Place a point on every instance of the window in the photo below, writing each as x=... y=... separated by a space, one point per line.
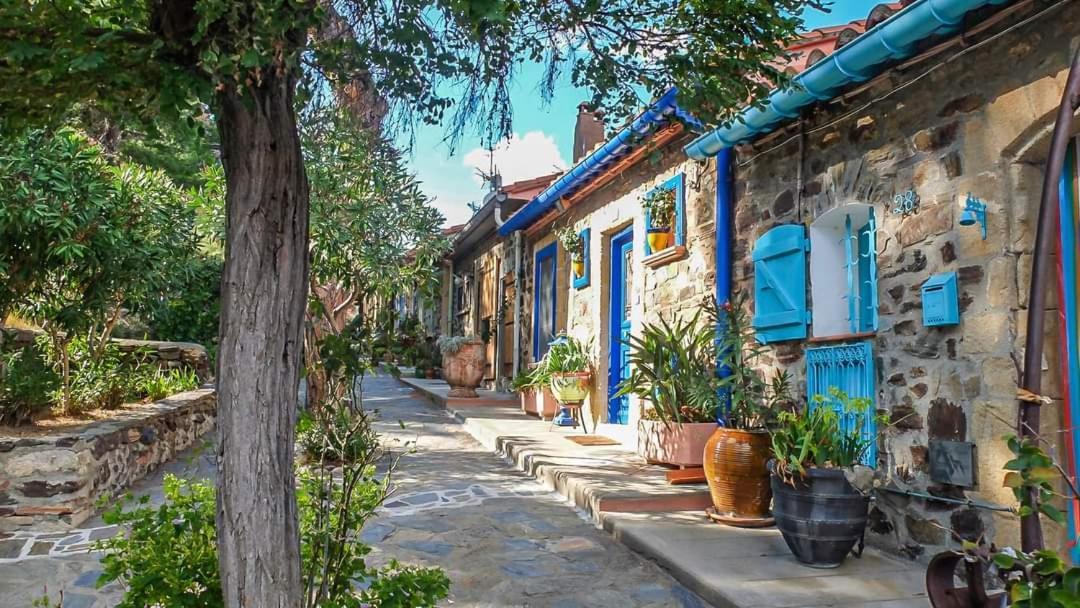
x=843 y=271
x=850 y=368
x=676 y=183
x=544 y=300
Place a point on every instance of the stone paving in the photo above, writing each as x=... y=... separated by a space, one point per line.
x=502 y=538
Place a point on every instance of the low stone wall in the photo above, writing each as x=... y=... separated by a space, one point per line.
x=53 y=482
x=169 y=355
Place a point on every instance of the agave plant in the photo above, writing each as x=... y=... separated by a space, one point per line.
x=673 y=370
x=749 y=401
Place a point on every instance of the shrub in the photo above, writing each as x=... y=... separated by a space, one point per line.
x=27 y=383
x=98 y=380
x=337 y=436
x=157 y=383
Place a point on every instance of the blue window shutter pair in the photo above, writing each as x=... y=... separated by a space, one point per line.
x=780 y=284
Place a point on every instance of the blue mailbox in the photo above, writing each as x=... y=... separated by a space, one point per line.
x=940 y=301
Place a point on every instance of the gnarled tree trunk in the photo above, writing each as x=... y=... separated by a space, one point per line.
x=263 y=295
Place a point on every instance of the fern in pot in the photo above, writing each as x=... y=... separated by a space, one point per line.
x=820 y=489
x=569 y=368
x=464 y=360
x=672 y=374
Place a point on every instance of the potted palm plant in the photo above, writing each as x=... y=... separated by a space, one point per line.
x=463 y=361
x=574 y=245
x=568 y=365
x=672 y=372
x=818 y=510
x=660 y=205
x=737 y=454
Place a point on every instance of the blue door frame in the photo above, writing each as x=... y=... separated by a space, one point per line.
x=622 y=252
x=540 y=342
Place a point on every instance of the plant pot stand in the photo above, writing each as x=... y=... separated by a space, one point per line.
x=569 y=415
x=739 y=522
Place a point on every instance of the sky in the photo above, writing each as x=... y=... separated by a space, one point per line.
x=542 y=134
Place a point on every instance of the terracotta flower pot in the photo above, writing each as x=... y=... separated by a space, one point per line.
x=539 y=403
x=659 y=239
x=675 y=444
x=464 y=369
x=570 y=387
x=736 y=467
x=528 y=401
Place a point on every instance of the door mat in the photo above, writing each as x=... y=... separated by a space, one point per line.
x=592 y=440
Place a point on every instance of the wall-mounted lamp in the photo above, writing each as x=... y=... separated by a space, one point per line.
x=974 y=211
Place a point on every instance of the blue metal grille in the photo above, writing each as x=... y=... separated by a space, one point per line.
x=850 y=368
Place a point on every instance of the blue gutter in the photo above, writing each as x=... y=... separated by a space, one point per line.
x=660 y=112
x=895 y=38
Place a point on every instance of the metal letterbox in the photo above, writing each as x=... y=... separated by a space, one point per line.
x=940 y=301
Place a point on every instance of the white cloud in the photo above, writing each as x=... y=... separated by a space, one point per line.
x=518 y=158
x=455 y=211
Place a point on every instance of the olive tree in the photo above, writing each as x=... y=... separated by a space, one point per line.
x=244 y=60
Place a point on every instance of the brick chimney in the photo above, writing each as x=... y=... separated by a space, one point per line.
x=588 y=132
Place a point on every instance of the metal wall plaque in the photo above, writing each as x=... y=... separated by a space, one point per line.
x=952 y=462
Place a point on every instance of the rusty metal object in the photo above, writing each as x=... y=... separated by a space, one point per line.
x=736 y=469
x=942 y=589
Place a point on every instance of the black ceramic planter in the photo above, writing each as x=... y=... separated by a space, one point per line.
x=821 y=517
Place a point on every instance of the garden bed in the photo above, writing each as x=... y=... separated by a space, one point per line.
x=52 y=475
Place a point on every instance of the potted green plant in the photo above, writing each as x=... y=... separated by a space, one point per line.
x=574 y=245
x=660 y=206
x=737 y=454
x=672 y=373
x=817 y=509
x=463 y=362
x=568 y=365
x=533 y=388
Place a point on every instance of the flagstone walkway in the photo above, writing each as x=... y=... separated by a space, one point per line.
x=502 y=538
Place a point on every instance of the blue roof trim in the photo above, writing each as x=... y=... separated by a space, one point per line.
x=659 y=113
x=861 y=59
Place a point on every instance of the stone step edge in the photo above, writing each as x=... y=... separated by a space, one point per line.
x=586 y=496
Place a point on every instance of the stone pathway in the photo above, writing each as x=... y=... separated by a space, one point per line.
x=501 y=537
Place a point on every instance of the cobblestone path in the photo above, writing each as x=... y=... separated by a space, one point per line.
x=502 y=538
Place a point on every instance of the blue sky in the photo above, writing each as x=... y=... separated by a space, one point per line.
x=543 y=134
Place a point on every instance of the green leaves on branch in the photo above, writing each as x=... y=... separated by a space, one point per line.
x=1033 y=477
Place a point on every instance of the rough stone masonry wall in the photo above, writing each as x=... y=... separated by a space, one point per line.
x=168 y=355
x=979 y=124
x=52 y=482
x=676 y=288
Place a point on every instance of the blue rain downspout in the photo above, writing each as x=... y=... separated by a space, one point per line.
x=893 y=39
x=724 y=204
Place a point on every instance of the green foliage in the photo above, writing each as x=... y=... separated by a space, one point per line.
x=673 y=370
x=98 y=379
x=156 y=383
x=814 y=438
x=336 y=435
x=567 y=355
x=660 y=205
x=189 y=308
x=571 y=241
x=1032 y=476
x=1041 y=579
x=27 y=383
x=748 y=400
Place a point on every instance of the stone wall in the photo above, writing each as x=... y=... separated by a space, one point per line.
x=168 y=355
x=52 y=482
x=673 y=288
x=979 y=124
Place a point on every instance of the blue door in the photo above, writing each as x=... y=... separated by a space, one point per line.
x=622 y=257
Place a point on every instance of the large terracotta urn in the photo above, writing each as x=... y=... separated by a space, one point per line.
x=463 y=370
x=736 y=467
x=673 y=444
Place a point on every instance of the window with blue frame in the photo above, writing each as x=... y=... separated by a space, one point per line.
x=676 y=183
x=849 y=368
x=544 y=294
x=843 y=271
x=581 y=280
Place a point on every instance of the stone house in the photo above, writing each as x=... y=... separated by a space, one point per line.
x=898 y=191
x=880 y=216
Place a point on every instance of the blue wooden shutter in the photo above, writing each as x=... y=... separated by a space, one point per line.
x=780 y=284
x=850 y=368
x=868 y=300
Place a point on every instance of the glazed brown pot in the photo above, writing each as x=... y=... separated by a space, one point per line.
x=736 y=467
x=464 y=369
x=675 y=444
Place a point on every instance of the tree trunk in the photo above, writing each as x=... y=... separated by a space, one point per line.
x=264 y=290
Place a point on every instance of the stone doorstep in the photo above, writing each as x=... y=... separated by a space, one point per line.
x=631 y=500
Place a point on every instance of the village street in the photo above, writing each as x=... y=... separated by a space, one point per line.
x=501 y=537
